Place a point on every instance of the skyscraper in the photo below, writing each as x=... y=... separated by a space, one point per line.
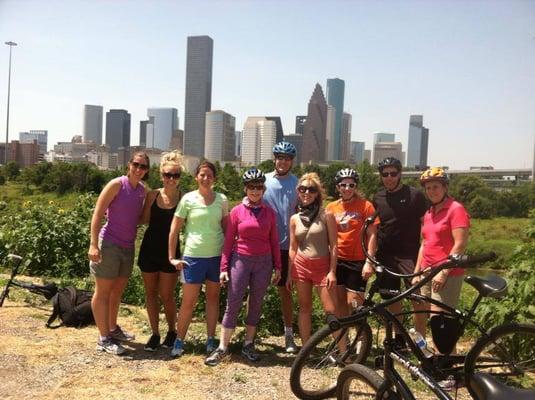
x=143 y=133
x=278 y=124
x=335 y=98
x=40 y=136
x=92 y=131
x=382 y=150
x=164 y=122
x=383 y=137
x=418 y=142
x=357 y=152
x=219 y=137
x=345 y=141
x=329 y=134
x=117 y=129
x=300 y=124
x=198 y=93
x=258 y=138
x=314 y=143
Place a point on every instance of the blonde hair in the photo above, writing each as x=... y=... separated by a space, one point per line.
x=315 y=179
x=173 y=158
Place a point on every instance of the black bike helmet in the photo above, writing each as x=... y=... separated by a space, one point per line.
x=389 y=162
x=284 y=148
x=253 y=175
x=346 y=173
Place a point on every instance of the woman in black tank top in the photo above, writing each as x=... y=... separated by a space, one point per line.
x=159 y=276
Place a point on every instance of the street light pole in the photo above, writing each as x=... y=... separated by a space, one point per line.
x=10 y=44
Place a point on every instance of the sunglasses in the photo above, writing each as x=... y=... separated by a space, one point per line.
x=170 y=175
x=305 y=189
x=393 y=174
x=255 y=187
x=347 y=185
x=283 y=158
x=143 y=167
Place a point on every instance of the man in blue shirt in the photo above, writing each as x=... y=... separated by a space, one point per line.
x=281 y=195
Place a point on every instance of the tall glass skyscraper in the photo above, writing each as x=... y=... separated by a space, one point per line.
x=198 y=93
x=335 y=98
x=418 y=142
x=163 y=121
x=92 y=131
x=314 y=136
x=117 y=129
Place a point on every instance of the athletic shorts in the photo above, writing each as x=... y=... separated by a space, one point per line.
x=313 y=270
x=395 y=264
x=115 y=261
x=155 y=266
x=349 y=275
x=284 y=270
x=450 y=292
x=200 y=269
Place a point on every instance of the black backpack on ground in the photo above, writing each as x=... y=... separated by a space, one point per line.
x=73 y=307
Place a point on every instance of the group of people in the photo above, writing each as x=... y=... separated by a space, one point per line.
x=279 y=233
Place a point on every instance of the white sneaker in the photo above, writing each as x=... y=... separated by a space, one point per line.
x=110 y=346
x=290 y=345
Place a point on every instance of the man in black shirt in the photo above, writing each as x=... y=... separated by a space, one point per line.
x=400 y=209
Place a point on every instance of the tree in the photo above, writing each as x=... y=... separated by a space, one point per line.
x=481 y=207
x=266 y=166
x=463 y=188
x=231 y=180
x=369 y=183
x=12 y=170
x=329 y=174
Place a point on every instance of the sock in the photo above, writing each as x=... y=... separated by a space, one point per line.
x=222 y=347
x=102 y=338
x=288 y=331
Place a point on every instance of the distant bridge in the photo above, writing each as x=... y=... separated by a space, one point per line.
x=516 y=173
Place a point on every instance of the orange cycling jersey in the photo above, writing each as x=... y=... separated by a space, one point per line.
x=350 y=216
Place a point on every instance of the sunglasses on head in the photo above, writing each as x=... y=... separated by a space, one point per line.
x=393 y=174
x=170 y=175
x=135 y=164
x=305 y=189
x=347 y=185
x=255 y=187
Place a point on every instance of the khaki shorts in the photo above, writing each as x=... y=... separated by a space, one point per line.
x=115 y=261
x=450 y=292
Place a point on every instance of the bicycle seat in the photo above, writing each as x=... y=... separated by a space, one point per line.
x=490 y=286
x=486 y=387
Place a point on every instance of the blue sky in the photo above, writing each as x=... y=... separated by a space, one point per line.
x=468 y=67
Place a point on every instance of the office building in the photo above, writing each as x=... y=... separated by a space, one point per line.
x=368 y=155
x=177 y=140
x=143 y=133
x=314 y=142
x=219 y=137
x=237 y=147
x=335 y=98
x=162 y=123
x=418 y=143
x=300 y=124
x=40 y=136
x=259 y=135
x=92 y=130
x=297 y=141
x=278 y=124
x=383 y=137
x=24 y=154
x=345 y=140
x=198 y=92
x=383 y=150
x=103 y=158
x=329 y=134
x=117 y=129
x=356 y=153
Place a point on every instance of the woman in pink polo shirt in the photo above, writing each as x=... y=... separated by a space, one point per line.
x=250 y=254
x=444 y=232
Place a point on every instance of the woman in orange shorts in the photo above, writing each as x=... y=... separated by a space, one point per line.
x=312 y=252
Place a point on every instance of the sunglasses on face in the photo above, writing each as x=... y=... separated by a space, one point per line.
x=393 y=174
x=170 y=175
x=305 y=189
x=347 y=185
x=143 y=167
x=283 y=158
x=255 y=187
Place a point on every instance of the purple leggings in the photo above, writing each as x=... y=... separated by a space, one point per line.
x=247 y=271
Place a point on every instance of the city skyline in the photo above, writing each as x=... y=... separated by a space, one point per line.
x=466 y=67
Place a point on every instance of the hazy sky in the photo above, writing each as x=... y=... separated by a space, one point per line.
x=467 y=66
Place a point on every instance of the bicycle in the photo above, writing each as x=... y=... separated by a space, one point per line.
x=488 y=369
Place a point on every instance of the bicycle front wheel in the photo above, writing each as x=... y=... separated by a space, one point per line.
x=357 y=381
x=316 y=367
x=507 y=353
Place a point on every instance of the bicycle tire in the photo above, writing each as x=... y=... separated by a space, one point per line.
x=3 y=296
x=368 y=383
x=316 y=367
x=507 y=353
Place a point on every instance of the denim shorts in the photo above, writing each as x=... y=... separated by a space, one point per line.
x=200 y=269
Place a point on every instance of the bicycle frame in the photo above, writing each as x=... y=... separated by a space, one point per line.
x=14 y=272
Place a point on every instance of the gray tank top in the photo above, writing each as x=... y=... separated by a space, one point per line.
x=313 y=242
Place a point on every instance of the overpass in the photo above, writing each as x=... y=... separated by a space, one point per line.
x=517 y=173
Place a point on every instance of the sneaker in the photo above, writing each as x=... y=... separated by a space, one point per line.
x=216 y=357
x=249 y=352
x=447 y=384
x=290 y=345
x=111 y=346
x=122 y=336
x=169 y=340
x=210 y=345
x=178 y=348
x=153 y=343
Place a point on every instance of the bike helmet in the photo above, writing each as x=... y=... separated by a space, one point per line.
x=346 y=173
x=434 y=174
x=389 y=162
x=285 y=148
x=253 y=175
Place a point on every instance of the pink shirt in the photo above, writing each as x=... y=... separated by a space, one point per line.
x=437 y=233
x=251 y=235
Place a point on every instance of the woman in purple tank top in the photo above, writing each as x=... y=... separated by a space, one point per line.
x=111 y=250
